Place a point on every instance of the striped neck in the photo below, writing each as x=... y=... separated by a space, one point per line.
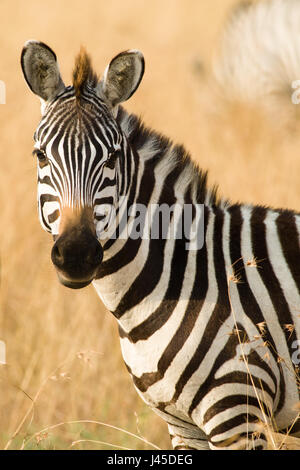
x=158 y=173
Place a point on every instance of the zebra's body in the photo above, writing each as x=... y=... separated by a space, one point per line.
x=196 y=302
x=208 y=335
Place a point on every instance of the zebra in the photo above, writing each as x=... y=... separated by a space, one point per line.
x=210 y=334
x=257 y=59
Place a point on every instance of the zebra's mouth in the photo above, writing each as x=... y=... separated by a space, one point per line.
x=74 y=284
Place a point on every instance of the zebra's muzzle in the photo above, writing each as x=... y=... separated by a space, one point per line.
x=72 y=284
x=76 y=255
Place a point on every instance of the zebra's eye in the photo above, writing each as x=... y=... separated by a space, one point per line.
x=41 y=155
x=112 y=158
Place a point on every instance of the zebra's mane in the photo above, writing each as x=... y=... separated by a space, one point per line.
x=83 y=73
x=148 y=142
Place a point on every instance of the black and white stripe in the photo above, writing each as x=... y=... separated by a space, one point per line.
x=67 y=181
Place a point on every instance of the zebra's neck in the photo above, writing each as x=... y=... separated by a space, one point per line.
x=161 y=173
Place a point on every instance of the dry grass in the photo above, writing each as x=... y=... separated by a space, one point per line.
x=266 y=424
x=62 y=347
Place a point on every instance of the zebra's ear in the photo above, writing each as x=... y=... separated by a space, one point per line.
x=122 y=77
x=40 y=69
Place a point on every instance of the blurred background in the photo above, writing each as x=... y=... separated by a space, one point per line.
x=63 y=362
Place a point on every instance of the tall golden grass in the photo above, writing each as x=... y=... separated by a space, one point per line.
x=64 y=373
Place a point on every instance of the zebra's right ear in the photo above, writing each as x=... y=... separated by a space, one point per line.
x=40 y=69
x=122 y=77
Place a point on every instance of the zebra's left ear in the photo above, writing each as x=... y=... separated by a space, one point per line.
x=122 y=77
x=41 y=71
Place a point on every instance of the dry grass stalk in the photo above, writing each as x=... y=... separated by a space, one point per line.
x=276 y=441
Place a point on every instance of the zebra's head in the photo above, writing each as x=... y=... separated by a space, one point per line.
x=79 y=148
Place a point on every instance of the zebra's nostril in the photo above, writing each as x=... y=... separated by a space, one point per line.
x=95 y=254
x=57 y=256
